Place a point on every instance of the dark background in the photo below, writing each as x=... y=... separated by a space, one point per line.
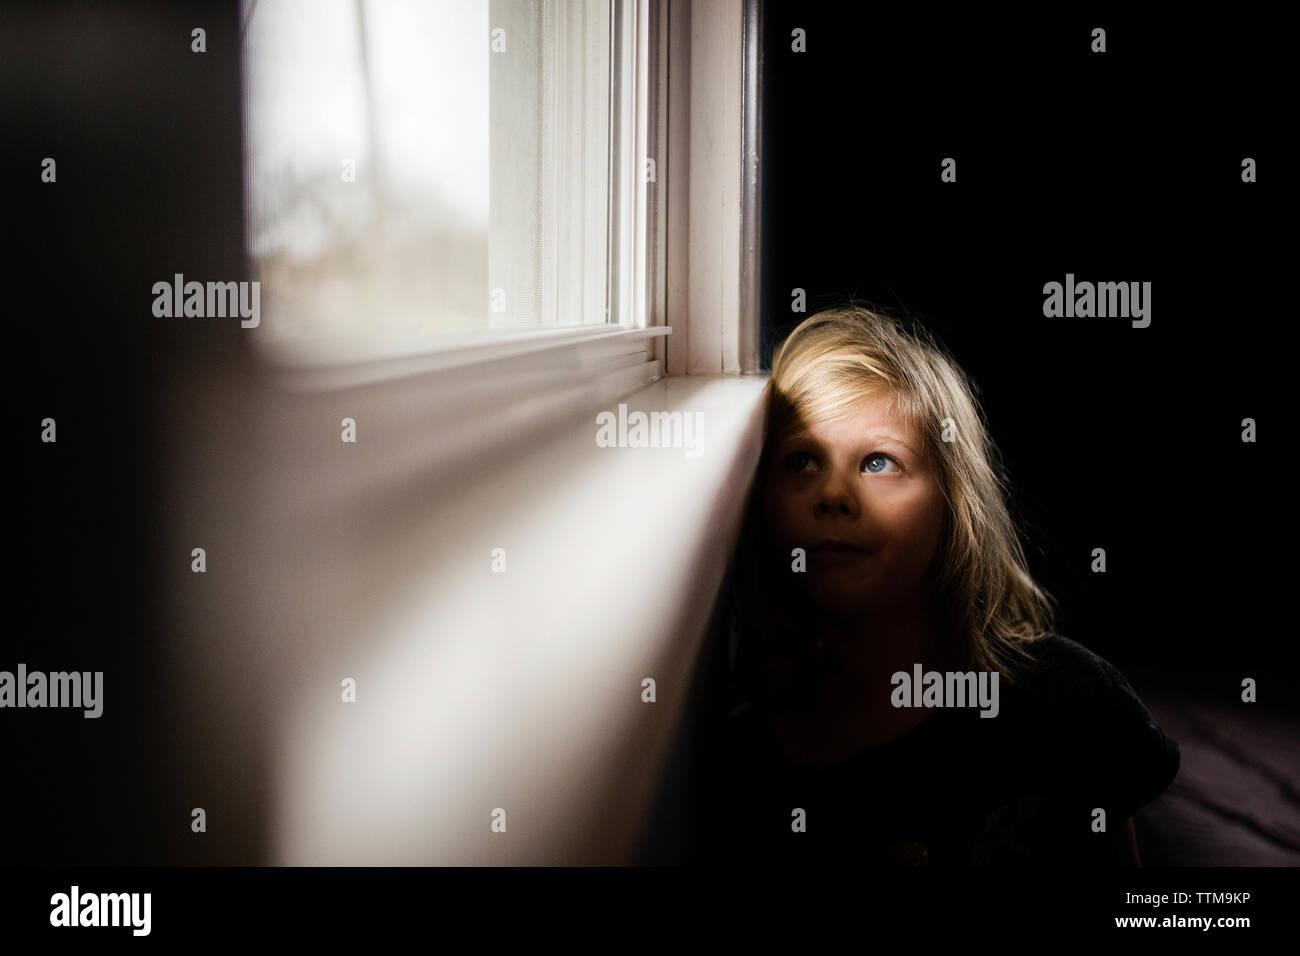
x=1119 y=166
x=1123 y=166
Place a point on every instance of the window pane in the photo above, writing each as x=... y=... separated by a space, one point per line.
x=425 y=168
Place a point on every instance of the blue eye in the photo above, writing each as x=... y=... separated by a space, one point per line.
x=871 y=461
x=798 y=461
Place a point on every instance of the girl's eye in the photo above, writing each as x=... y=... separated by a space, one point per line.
x=876 y=464
x=798 y=461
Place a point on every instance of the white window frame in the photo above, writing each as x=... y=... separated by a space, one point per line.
x=686 y=262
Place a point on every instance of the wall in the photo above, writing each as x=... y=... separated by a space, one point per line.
x=477 y=688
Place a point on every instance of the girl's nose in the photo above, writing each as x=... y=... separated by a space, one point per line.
x=835 y=496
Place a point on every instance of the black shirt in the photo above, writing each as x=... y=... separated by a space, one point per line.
x=957 y=789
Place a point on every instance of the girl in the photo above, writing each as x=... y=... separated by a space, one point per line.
x=878 y=578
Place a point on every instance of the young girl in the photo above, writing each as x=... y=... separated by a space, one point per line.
x=902 y=698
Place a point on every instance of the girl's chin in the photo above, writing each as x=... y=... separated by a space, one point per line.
x=841 y=602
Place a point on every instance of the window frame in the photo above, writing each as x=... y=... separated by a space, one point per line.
x=679 y=237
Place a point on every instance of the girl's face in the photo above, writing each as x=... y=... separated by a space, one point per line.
x=863 y=481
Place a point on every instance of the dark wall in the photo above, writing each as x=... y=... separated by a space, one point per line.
x=1122 y=166
x=146 y=137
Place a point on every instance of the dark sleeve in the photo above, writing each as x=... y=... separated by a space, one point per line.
x=1117 y=757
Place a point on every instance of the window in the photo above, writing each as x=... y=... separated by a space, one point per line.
x=428 y=174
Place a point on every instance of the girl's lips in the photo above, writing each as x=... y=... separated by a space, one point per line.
x=839 y=554
x=828 y=546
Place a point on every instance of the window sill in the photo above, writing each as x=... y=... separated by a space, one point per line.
x=583 y=345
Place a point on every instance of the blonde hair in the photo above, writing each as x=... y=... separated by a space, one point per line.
x=987 y=605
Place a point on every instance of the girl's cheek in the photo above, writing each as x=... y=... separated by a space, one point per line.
x=787 y=507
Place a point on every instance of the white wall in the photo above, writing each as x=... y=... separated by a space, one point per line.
x=475 y=690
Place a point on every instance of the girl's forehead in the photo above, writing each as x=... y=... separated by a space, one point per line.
x=875 y=415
